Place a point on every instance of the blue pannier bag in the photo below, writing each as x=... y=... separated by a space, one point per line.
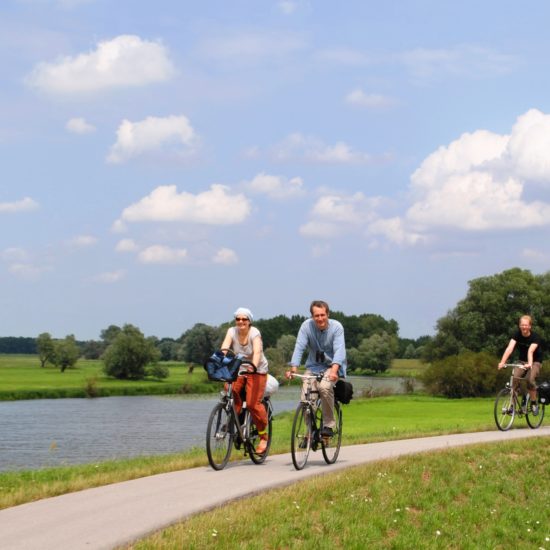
x=222 y=368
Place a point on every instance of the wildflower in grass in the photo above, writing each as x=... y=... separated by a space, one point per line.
x=214 y=532
x=438 y=532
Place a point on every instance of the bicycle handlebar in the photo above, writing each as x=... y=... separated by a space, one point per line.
x=317 y=377
x=514 y=365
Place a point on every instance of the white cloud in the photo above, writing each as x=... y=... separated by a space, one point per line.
x=14 y=254
x=126 y=245
x=394 y=230
x=225 y=256
x=161 y=254
x=81 y=241
x=333 y=215
x=79 y=125
x=478 y=183
x=359 y=98
x=23 y=205
x=276 y=187
x=529 y=146
x=213 y=207
x=110 y=277
x=311 y=149
x=124 y=61
x=173 y=133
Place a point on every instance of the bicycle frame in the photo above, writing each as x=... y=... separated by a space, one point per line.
x=307 y=424
x=225 y=430
x=508 y=404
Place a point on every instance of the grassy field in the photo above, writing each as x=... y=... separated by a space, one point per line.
x=22 y=378
x=489 y=501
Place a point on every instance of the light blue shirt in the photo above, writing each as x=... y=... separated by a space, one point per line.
x=330 y=341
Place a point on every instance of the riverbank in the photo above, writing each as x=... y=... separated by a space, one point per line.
x=365 y=421
x=23 y=378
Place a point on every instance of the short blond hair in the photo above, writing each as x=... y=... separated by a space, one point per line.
x=526 y=318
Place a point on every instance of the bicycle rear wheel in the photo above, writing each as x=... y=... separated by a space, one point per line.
x=505 y=409
x=300 y=442
x=534 y=420
x=254 y=437
x=331 y=445
x=219 y=437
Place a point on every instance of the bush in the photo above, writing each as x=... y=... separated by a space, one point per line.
x=467 y=374
x=158 y=371
x=129 y=354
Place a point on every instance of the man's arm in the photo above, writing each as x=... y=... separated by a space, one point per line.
x=507 y=352
x=301 y=345
x=339 y=351
x=530 y=353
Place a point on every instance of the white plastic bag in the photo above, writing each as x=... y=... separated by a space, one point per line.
x=271 y=386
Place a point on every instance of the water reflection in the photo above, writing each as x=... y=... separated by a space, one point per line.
x=53 y=432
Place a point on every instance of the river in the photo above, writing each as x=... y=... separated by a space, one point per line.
x=55 y=432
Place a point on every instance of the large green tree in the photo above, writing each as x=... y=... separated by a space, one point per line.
x=66 y=353
x=373 y=353
x=45 y=347
x=129 y=354
x=486 y=317
x=199 y=342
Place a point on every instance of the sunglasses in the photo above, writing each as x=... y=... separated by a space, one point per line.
x=241 y=319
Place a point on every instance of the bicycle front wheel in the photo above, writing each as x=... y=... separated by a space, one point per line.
x=254 y=437
x=219 y=437
x=535 y=420
x=505 y=409
x=300 y=443
x=331 y=445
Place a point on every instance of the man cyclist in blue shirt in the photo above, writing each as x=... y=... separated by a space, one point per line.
x=323 y=338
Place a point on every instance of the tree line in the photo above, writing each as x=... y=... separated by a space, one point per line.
x=372 y=342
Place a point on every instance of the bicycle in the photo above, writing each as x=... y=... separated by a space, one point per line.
x=508 y=404
x=227 y=429
x=307 y=426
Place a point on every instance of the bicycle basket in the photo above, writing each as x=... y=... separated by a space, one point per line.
x=222 y=368
x=544 y=393
x=343 y=391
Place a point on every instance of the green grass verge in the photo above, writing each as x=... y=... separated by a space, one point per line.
x=23 y=378
x=491 y=501
x=365 y=421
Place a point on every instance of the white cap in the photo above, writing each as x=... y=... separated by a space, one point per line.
x=245 y=312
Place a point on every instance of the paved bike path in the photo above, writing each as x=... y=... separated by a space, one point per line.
x=109 y=516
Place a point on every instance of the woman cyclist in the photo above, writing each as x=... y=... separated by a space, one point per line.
x=246 y=340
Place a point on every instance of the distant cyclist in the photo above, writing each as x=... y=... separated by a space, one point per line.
x=530 y=353
x=323 y=338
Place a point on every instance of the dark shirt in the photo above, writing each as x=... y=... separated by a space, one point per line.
x=523 y=343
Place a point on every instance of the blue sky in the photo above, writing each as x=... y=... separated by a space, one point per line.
x=166 y=162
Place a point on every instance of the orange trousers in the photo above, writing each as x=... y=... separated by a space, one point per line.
x=255 y=387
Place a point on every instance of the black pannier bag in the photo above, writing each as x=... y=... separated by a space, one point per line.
x=343 y=391
x=544 y=393
x=222 y=368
